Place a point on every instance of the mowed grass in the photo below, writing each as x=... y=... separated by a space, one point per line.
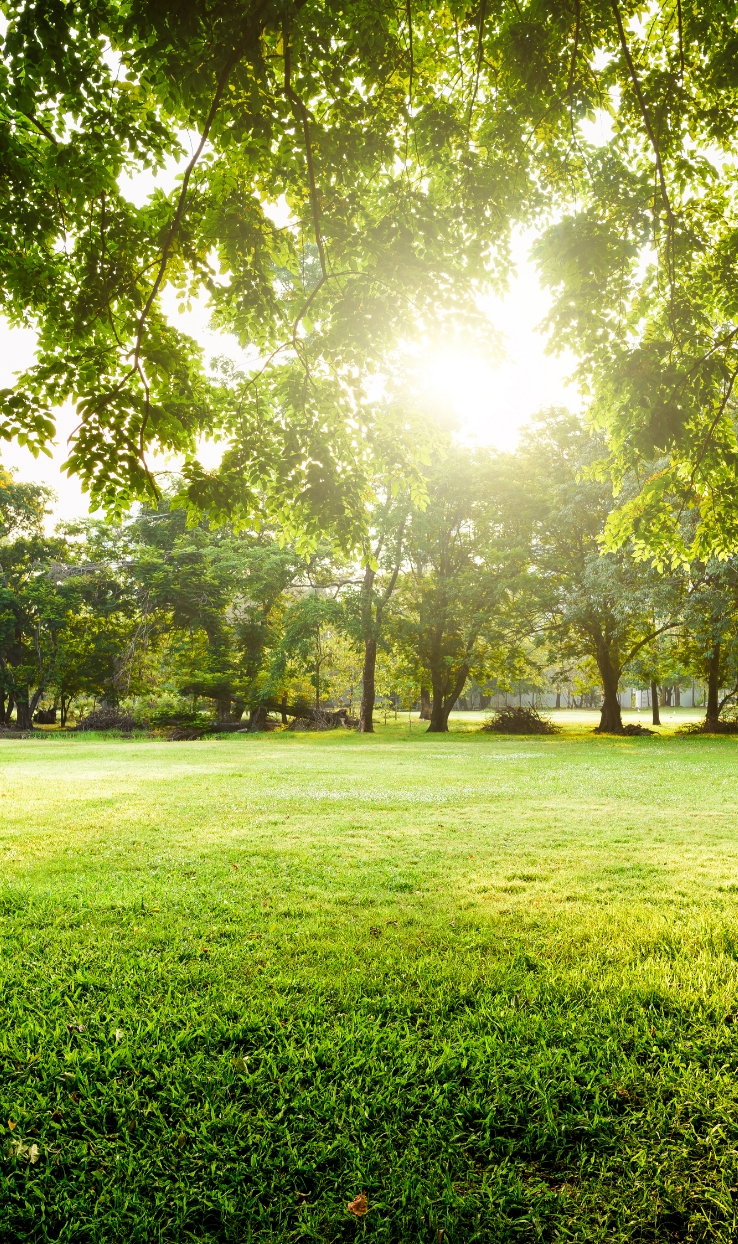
x=490 y=982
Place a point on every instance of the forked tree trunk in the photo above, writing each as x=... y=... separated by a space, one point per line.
x=425 y=704
x=713 y=686
x=237 y=710
x=442 y=704
x=655 y=719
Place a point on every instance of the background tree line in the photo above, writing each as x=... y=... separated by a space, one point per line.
x=492 y=574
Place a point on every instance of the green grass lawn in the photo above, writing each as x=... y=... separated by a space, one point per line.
x=491 y=982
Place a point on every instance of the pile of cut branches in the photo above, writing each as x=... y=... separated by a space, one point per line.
x=516 y=719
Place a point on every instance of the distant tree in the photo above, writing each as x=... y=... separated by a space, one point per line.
x=308 y=644
x=467 y=552
x=594 y=604
x=709 y=642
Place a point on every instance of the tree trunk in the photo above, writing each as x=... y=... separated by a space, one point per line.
x=283 y=710
x=558 y=699
x=442 y=704
x=223 y=708
x=9 y=709
x=677 y=697
x=713 y=686
x=366 y=712
x=439 y=715
x=611 y=721
x=237 y=710
x=655 y=719
x=425 y=704
x=257 y=718
x=23 y=711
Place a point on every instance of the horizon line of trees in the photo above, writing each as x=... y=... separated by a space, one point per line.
x=492 y=575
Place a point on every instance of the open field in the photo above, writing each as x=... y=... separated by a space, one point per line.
x=491 y=982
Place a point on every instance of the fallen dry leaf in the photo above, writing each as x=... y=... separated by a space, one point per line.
x=75 y=1027
x=441 y=1234
x=18 y=1149
x=375 y=932
x=235 y=866
x=118 y=1034
x=359 y=1205
x=240 y=1064
x=12 y=1124
x=75 y=1096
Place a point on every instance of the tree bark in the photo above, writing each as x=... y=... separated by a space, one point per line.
x=677 y=697
x=23 y=711
x=439 y=714
x=425 y=704
x=655 y=719
x=713 y=686
x=283 y=710
x=368 y=687
x=611 y=721
x=558 y=699
x=237 y=710
x=443 y=703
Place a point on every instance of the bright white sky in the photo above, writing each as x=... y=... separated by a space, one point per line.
x=492 y=403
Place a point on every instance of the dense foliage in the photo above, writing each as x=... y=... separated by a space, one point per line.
x=404 y=144
x=495 y=581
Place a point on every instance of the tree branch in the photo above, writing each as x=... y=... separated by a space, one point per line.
x=297 y=103
x=669 y=626
x=573 y=65
x=480 y=49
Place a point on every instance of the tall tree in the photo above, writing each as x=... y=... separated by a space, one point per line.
x=466 y=551
x=709 y=641
x=596 y=604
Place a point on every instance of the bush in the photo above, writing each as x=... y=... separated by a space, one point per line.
x=181 y=716
x=514 y=719
x=107 y=719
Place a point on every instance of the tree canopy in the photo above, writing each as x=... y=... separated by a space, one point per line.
x=404 y=143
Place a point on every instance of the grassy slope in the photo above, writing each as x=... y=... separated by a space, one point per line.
x=489 y=981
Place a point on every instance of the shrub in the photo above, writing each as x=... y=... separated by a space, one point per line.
x=515 y=719
x=181 y=716
x=107 y=719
